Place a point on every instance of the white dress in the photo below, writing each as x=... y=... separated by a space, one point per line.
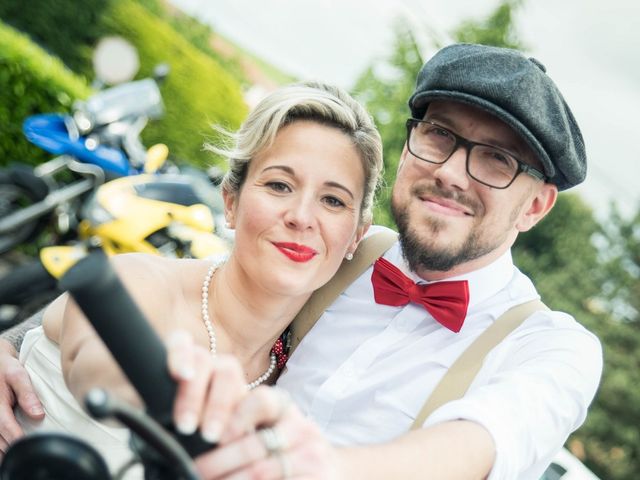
x=63 y=413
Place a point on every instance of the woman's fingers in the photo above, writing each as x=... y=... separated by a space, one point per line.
x=182 y=356
x=226 y=390
x=261 y=407
x=180 y=347
x=277 y=441
x=305 y=454
x=208 y=388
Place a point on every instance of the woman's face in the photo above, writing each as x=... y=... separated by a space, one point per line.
x=297 y=213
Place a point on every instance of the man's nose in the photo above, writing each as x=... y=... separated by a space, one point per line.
x=453 y=172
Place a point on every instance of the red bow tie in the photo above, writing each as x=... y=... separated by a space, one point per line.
x=446 y=301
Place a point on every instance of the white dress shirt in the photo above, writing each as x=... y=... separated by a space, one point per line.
x=364 y=370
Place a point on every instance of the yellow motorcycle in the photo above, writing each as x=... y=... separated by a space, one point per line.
x=169 y=214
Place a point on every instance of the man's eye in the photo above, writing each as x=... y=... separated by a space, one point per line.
x=436 y=131
x=334 y=201
x=278 y=187
x=500 y=157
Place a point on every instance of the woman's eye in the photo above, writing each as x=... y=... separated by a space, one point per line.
x=334 y=202
x=278 y=187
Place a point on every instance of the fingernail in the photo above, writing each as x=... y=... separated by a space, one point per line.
x=36 y=410
x=187 y=424
x=212 y=431
x=186 y=372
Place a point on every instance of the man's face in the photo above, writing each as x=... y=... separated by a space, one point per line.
x=448 y=222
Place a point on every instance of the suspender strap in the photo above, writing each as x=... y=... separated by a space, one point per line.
x=458 y=378
x=368 y=251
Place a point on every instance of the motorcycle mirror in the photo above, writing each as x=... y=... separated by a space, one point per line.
x=160 y=72
x=115 y=60
x=156 y=156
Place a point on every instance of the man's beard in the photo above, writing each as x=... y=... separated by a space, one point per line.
x=422 y=254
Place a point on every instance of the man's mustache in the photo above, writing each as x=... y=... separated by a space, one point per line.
x=458 y=197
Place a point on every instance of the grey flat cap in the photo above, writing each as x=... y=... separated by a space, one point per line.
x=515 y=89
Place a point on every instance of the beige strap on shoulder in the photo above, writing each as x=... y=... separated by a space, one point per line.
x=458 y=378
x=369 y=250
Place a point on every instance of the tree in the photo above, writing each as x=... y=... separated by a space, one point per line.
x=385 y=96
x=610 y=439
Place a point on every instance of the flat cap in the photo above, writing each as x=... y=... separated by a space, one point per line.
x=515 y=89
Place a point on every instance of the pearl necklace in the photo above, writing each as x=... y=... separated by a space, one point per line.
x=212 y=333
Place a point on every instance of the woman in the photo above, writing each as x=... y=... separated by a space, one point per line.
x=298 y=193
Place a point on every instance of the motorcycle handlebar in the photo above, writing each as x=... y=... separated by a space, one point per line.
x=136 y=347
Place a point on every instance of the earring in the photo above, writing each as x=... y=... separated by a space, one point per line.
x=349 y=256
x=227 y=225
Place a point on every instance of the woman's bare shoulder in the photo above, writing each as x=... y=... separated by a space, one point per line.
x=165 y=288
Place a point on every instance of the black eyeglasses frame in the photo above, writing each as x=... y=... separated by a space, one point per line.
x=468 y=146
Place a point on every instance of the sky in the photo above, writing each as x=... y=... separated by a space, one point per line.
x=591 y=49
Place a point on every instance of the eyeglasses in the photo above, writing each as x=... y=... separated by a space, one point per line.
x=489 y=165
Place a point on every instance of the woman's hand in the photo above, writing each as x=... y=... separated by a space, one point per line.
x=209 y=389
x=260 y=433
x=269 y=438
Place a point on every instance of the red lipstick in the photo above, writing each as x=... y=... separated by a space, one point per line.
x=297 y=253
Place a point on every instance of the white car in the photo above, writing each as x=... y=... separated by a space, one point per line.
x=567 y=467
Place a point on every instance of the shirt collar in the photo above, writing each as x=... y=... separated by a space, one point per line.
x=483 y=283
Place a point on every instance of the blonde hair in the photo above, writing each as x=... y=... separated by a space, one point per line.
x=315 y=101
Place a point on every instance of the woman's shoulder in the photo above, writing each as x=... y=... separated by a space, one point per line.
x=159 y=276
x=142 y=264
x=166 y=289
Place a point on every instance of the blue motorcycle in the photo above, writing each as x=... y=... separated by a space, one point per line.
x=98 y=142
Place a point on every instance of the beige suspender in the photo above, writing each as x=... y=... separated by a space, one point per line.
x=367 y=252
x=458 y=378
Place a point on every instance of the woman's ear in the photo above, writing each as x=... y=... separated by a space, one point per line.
x=359 y=235
x=539 y=206
x=229 y=207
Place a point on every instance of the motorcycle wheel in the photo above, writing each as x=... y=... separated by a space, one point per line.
x=18 y=189
x=23 y=291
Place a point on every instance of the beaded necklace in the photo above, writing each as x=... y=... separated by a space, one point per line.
x=277 y=356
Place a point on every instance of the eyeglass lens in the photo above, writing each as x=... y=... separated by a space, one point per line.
x=490 y=165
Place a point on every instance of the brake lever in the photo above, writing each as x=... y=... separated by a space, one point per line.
x=165 y=453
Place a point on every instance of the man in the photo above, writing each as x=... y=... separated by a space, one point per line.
x=490 y=143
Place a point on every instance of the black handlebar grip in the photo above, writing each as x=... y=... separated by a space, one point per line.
x=96 y=288
x=99 y=293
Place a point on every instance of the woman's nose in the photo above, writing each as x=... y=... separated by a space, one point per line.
x=300 y=214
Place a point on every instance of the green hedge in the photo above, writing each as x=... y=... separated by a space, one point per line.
x=197 y=92
x=65 y=28
x=31 y=81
